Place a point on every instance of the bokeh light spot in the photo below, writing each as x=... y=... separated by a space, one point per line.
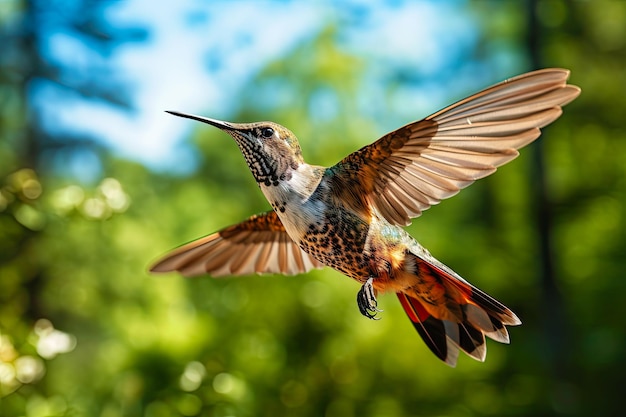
x=192 y=377
x=223 y=383
x=68 y=198
x=189 y=405
x=29 y=369
x=114 y=195
x=7 y=374
x=52 y=341
x=31 y=189
x=30 y=217
x=7 y=350
x=228 y=384
x=95 y=208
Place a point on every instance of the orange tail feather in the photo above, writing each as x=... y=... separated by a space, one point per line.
x=480 y=315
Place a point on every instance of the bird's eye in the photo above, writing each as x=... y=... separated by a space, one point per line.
x=267 y=132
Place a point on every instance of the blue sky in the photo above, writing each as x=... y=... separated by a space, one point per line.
x=171 y=69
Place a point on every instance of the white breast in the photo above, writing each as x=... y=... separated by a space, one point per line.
x=294 y=200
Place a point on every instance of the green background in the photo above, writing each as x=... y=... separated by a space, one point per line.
x=84 y=330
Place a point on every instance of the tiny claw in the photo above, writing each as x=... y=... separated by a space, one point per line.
x=366 y=300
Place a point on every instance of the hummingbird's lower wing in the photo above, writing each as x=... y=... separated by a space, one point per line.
x=259 y=244
x=412 y=168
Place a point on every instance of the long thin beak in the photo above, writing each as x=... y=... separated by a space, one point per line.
x=217 y=123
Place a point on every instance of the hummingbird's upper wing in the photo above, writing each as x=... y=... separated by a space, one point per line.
x=259 y=244
x=420 y=164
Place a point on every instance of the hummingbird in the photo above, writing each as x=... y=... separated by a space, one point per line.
x=350 y=216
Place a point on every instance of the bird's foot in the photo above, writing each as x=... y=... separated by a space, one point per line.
x=366 y=300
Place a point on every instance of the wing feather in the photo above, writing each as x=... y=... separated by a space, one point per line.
x=259 y=245
x=412 y=168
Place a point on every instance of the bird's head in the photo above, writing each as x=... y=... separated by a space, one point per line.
x=271 y=150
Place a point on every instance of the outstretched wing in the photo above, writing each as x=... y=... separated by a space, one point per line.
x=260 y=245
x=410 y=169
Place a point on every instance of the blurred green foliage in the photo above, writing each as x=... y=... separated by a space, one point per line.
x=84 y=330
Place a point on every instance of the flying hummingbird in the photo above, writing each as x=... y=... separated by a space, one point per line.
x=350 y=216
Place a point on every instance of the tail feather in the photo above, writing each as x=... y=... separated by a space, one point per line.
x=506 y=316
x=500 y=334
x=431 y=330
x=459 y=319
x=445 y=338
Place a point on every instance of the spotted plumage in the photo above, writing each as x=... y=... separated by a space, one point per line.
x=349 y=216
x=338 y=241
